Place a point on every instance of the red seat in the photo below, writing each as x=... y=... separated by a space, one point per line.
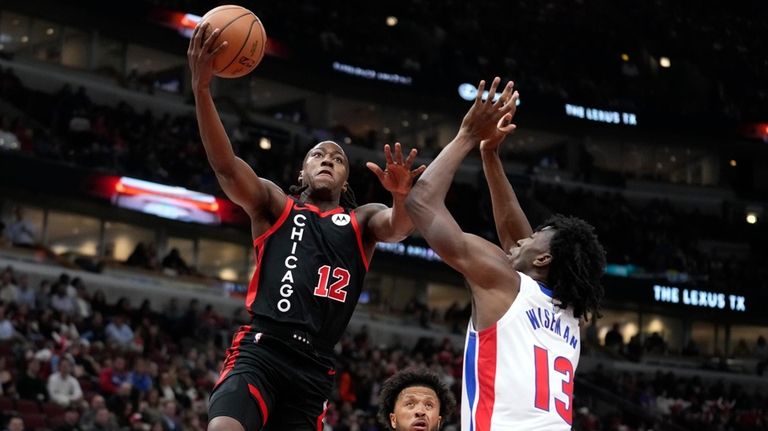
x=34 y=421
x=26 y=407
x=52 y=409
x=7 y=404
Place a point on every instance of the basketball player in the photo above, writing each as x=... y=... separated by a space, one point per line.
x=522 y=344
x=415 y=399
x=312 y=256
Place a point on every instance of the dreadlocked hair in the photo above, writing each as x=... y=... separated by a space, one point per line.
x=578 y=263
x=408 y=378
x=347 y=199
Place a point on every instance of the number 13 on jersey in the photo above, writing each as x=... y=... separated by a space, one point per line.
x=564 y=395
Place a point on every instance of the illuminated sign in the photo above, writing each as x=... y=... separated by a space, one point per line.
x=600 y=116
x=699 y=298
x=176 y=203
x=401 y=249
x=468 y=92
x=372 y=74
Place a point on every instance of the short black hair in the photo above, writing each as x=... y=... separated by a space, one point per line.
x=409 y=378
x=578 y=264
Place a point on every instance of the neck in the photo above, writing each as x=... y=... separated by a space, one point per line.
x=324 y=201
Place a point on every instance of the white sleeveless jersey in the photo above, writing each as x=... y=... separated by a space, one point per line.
x=518 y=373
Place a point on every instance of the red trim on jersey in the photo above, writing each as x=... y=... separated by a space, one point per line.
x=232 y=352
x=317 y=211
x=359 y=235
x=280 y=220
x=262 y=405
x=322 y=416
x=486 y=370
x=253 y=286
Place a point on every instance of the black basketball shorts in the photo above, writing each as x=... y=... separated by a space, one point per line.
x=273 y=386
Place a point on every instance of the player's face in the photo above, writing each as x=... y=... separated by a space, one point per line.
x=325 y=167
x=531 y=251
x=417 y=409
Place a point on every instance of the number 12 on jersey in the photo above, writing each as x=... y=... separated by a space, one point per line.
x=542 y=398
x=336 y=290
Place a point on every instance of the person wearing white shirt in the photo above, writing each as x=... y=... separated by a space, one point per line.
x=63 y=388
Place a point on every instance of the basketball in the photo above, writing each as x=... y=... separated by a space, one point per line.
x=246 y=39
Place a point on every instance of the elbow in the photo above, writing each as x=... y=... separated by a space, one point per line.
x=417 y=198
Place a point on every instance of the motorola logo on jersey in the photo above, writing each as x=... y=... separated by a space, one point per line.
x=291 y=261
x=340 y=219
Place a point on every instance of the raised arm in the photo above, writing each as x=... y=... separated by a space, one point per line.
x=261 y=199
x=474 y=257
x=385 y=224
x=511 y=222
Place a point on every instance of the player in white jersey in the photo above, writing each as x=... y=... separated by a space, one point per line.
x=522 y=345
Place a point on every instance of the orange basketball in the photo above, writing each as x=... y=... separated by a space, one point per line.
x=245 y=36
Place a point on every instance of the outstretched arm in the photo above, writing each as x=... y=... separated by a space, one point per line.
x=261 y=199
x=392 y=224
x=466 y=253
x=511 y=222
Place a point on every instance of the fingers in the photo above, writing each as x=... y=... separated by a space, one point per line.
x=511 y=103
x=388 y=154
x=480 y=91
x=505 y=95
x=219 y=48
x=492 y=90
x=418 y=171
x=504 y=125
x=207 y=45
x=373 y=167
x=398 y=153
x=411 y=158
x=201 y=30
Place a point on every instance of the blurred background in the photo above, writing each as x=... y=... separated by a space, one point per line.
x=124 y=265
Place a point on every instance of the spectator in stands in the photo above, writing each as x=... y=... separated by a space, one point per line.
x=655 y=344
x=761 y=354
x=30 y=386
x=15 y=423
x=26 y=295
x=61 y=301
x=94 y=330
x=7 y=383
x=170 y=419
x=63 y=387
x=143 y=256
x=174 y=263
x=113 y=377
x=414 y=399
x=7 y=331
x=21 y=232
x=9 y=292
x=140 y=378
x=614 y=341
x=103 y=421
x=119 y=333
x=71 y=420
x=42 y=295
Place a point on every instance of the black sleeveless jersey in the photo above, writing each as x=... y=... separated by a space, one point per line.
x=310 y=267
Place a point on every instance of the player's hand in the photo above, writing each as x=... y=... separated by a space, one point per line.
x=200 y=55
x=398 y=176
x=482 y=119
x=503 y=128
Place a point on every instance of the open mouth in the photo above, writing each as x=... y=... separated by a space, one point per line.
x=420 y=425
x=325 y=172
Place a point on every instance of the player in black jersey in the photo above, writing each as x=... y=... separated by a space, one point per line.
x=312 y=255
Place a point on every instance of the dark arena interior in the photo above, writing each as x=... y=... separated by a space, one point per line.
x=121 y=256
